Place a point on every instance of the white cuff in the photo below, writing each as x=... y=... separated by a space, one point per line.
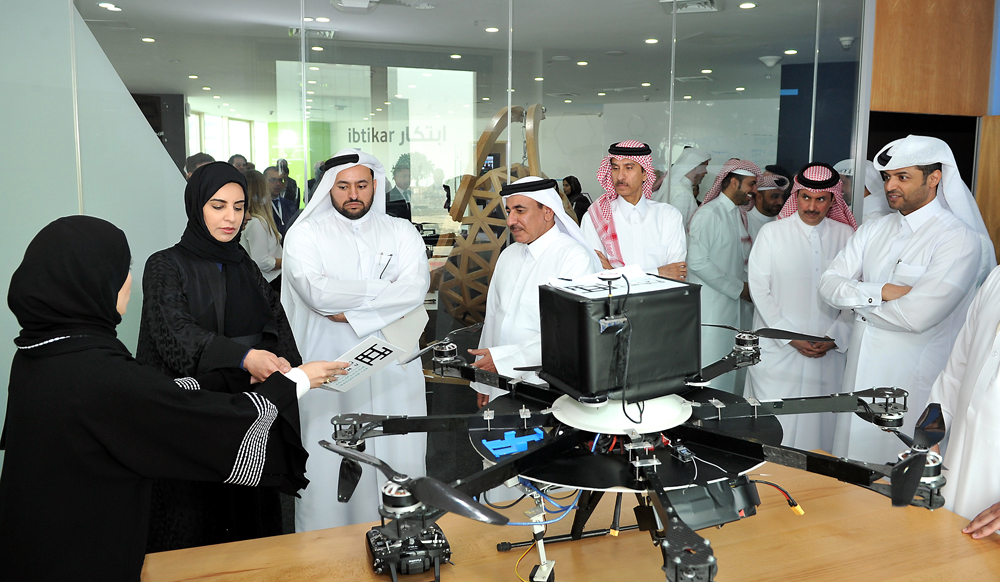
x=301 y=380
x=870 y=294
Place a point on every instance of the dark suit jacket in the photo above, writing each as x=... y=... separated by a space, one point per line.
x=288 y=210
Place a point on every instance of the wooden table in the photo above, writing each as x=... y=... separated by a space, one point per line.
x=847 y=533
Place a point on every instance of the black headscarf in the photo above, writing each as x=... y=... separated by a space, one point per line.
x=201 y=186
x=246 y=311
x=68 y=281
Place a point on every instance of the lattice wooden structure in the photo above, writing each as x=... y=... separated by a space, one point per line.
x=477 y=205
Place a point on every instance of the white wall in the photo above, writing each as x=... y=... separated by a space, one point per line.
x=127 y=176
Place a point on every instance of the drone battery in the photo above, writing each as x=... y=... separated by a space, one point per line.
x=654 y=328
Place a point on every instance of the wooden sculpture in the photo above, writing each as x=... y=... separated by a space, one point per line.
x=479 y=208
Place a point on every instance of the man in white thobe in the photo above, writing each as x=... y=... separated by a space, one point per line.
x=350 y=270
x=786 y=261
x=909 y=277
x=625 y=226
x=548 y=244
x=767 y=203
x=718 y=249
x=686 y=174
x=968 y=390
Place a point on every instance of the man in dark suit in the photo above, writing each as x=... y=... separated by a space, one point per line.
x=398 y=199
x=283 y=208
x=291 y=191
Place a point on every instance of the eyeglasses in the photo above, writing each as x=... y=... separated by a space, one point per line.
x=275 y=180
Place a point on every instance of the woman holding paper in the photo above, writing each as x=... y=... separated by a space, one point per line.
x=207 y=307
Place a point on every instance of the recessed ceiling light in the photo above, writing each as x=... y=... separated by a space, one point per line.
x=232 y=110
x=225 y=105
x=748 y=5
x=398 y=96
x=318 y=49
x=364 y=119
x=206 y=88
x=615 y=53
x=539 y=78
x=582 y=63
x=148 y=39
x=238 y=115
x=791 y=52
x=378 y=109
x=192 y=76
x=309 y=100
x=114 y=9
x=322 y=19
x=410 y=87
x=511 y=90
x=492 y=29
x=706 y=71
x=310 y=92
x=106 y=5
x=486 y=98
x=307 y=19
x=567 y=100
x=652 y=41
x=311 y=82
x=313 y=68
x=388 y=103
x=372 y=114
x=687 y=96
x=216 y=96
x=741 y=89
x=602 y=94
x=645 y=84
x=456 y=56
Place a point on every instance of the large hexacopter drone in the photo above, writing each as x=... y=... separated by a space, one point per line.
x=626 y=409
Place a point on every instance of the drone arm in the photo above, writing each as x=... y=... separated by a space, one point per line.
x=840 y=402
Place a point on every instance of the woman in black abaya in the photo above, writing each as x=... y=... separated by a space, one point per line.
x=206 y=307
x=88 y=428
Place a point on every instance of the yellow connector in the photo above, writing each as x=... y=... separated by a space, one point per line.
x=614 y=532
x=798 y=510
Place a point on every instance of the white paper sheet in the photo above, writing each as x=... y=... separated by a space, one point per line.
x=364 y=359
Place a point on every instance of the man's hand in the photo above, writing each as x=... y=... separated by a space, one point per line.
x=320 y=372
x=745 y=295
x=339 y=318
x=605 y=263
x=261 y=364
x=987 y=522
x=677 y=271
x=482 y=399
x=486 y=363
x=891 y=292
x=812 y=349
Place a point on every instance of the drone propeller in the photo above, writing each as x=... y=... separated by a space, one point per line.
x=350 y=475
x=906 y=474
x=444 y=340
x=426 y=490
x=770 y=333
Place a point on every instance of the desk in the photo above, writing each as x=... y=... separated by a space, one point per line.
x=847 y=533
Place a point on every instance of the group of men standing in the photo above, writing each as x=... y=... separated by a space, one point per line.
x=891 y=295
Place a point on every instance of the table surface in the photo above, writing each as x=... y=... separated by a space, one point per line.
x=847 y=533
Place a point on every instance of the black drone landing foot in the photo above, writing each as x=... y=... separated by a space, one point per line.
x=551 y=578
x=595 y=533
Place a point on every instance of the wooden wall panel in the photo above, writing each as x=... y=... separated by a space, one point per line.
x=988 y=180
x=932 y=56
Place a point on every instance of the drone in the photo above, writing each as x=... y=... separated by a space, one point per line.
x=605 y=423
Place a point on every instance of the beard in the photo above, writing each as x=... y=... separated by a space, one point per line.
x=353 y=214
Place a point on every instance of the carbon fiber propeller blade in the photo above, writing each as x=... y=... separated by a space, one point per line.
x=930 y=427
x=788 y=335
x=906 y=478
x=719 y=325
x=434 y=493
x=350 y=475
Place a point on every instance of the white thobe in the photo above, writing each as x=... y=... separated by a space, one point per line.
x=373 y=270
x=969 y=393
x=717 y=256
x=786 y=261
x=681 y=197
x=512 y=330
x=263 y=247
x=905 y=342
x=650 y=234
x=756 y=221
